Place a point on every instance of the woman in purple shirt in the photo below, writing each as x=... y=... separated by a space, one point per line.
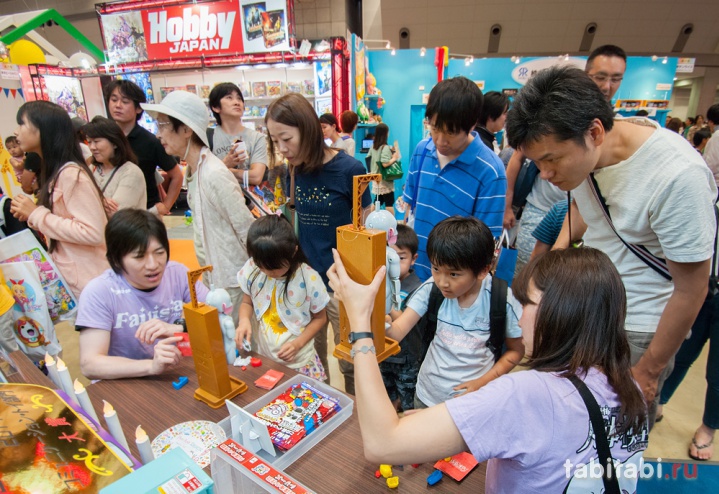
x=128 y=316
x=532 y=426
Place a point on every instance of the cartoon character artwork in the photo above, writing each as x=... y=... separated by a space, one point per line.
x=20 y=294
x=30 y=332
x=220 y=300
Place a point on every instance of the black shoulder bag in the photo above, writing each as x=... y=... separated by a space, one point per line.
x=611 y=484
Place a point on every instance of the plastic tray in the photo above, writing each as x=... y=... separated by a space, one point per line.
x=285 y=459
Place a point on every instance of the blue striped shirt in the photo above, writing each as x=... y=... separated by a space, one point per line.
x=548 y=229
x=474 y=184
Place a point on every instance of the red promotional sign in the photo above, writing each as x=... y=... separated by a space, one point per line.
x=192 y=30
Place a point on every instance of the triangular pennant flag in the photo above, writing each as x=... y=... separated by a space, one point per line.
x=13 y=91
x=7 y=91
x=19 y=91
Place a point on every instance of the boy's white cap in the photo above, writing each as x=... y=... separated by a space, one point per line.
x=186 y=107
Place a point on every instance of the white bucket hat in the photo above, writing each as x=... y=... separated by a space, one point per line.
x=186 y=107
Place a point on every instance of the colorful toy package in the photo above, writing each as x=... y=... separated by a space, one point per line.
x=296 y=413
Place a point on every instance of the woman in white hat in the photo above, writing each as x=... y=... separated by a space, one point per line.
x=220 y=217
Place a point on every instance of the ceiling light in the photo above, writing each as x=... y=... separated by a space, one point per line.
x=422 y=51
x=388 y=45
x=654 y=58
x=394 y=52
x=665 y=60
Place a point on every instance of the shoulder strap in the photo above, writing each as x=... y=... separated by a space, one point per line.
x=657 y=264
x=497 y=317
x=430 y=329
x=211 y=138
x=611 y=484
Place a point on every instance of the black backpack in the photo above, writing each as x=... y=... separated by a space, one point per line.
x=427 y=325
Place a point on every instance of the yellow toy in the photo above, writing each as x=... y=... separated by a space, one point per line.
x=208 y=351
x=386 y=471
x=363 y=252
x=393 y=482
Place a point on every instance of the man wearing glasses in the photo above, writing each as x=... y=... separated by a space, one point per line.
x=606 y=66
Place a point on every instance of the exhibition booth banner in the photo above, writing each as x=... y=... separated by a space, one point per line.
x=162 y=32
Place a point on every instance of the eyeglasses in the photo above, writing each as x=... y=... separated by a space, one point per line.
x=601 y=78
x=161 y=125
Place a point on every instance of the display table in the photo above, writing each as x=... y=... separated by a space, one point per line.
x=337 y=464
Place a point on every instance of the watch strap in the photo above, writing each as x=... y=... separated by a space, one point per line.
x=358 y=336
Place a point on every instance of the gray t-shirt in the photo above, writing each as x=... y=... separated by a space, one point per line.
x=255 y=141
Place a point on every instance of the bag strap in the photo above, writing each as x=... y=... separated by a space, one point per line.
x=114 y=170
x=435 y=302
x=291 y=201
x=658 y=264
x=611 y=484
x=497 y=317
x=211 y=138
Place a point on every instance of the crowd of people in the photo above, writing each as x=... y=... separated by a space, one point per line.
x=604 y=320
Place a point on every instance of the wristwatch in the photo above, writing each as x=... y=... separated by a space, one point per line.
x=181 y=322
x=358 y=336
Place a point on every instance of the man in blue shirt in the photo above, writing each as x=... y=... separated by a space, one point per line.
x=453 y=172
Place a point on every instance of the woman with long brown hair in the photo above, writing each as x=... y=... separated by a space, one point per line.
x=533 y=426
x=321 y=187
x=69 y=210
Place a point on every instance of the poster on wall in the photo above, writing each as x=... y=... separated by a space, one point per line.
x=124 y=37
x=359 y=58
x=323 y=78
x=265 y=26
x=323 y=105
x=11 y=99
x=525 y=71
x=66 y=92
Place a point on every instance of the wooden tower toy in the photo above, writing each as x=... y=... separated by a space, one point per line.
x=363 y=252
x=208 y=351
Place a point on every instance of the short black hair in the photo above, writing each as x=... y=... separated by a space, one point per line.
x=129 y=90
x=10 y=139
x=495 y=103
x=713 y=114
x=130 y=230
x=562 y=101
x=606 y=51
x=461 y=242
x=642 y=113
x=455 y=104
x=700 y=135
x=407 y=239
x=220 y=91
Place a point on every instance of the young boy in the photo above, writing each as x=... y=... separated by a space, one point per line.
x=399 y=372
x=458 y=360
x=17 y=157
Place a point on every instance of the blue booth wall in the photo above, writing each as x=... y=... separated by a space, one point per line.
x=399 y=78
x=640 y=79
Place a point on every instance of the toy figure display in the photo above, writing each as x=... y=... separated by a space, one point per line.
x=203 y=325
x=220 y=300
x=363 y=252
x=381 y=219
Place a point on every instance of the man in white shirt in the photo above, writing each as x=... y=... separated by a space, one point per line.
x=711 y=151
x=228 y=107
x=658 y=197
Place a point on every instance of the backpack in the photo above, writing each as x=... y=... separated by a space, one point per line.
x=427 y=325
x=525 y=182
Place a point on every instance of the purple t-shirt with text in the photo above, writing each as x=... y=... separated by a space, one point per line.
x=536 y=427
x=109 y=302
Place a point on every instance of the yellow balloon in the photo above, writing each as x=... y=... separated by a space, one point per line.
x=24 y=52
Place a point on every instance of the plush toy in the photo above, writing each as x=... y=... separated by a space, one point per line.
x=370 y=83
x=362 y=112
x=220 y=300
x=381 y=219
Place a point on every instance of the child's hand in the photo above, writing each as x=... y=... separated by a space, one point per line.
x=468 y=387
x=288 y=352
x=358 y=299
x=243 y=332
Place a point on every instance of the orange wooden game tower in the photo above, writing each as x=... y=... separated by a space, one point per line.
x=363 y=252
x=208 y=351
